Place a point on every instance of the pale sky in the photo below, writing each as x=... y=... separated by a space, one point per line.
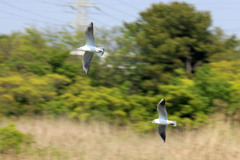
x=17 y=14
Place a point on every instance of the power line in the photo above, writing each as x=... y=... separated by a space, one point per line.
x=13 y=6
x=116 y=9
x=100 y=22
x=81 y=20
x=52 y=3
x=127 y=4
x=111 y=16
x=36 y=20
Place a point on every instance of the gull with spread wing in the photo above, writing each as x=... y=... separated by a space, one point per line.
x=163 y=121
x=89 y=48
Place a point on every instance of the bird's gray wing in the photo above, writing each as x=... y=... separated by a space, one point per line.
x=87 y=58
x=90 y=41
x=162 y=132
x=161 y=108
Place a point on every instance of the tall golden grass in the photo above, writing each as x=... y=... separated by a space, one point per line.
x=66 y=140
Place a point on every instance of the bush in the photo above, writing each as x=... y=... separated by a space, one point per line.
x=13 y=140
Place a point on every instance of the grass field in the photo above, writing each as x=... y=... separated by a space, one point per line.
x=67 y=140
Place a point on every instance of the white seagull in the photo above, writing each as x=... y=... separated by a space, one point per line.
x=89 y=48
x=163 y=121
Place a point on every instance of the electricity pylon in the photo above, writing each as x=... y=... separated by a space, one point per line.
x=81 y=8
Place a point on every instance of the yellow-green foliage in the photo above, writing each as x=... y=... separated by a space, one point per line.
x=230 y=71
x=13 y=140
x=27 y=92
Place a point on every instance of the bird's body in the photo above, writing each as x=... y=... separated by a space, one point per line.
x=163 y=121
x=89 y=48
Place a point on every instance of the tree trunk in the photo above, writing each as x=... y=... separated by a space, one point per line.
x=189 y=64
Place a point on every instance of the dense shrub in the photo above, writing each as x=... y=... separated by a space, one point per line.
x=13 y=140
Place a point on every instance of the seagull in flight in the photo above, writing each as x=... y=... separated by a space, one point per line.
x=89 y=48
x=163 y=121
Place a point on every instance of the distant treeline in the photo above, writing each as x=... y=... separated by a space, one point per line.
x=170 y=52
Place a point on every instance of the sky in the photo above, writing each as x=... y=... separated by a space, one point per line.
x=15 y=15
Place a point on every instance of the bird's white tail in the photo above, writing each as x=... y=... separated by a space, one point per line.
x=100 y=53
x=174 y=123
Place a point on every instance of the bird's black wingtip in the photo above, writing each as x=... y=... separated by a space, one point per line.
x=162 y=102
x=90 y=25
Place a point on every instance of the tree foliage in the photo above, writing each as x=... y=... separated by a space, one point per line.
x=12 y=139
x=169 y=52
x=175 y=36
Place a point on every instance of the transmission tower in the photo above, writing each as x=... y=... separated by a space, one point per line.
x=81 y=8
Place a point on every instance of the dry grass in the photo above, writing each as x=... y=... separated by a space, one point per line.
x=64 y=139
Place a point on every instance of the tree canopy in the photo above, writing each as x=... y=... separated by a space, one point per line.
x=173 y=37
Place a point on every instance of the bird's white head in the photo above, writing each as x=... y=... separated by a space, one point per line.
x=80 y=49
x=155 y=121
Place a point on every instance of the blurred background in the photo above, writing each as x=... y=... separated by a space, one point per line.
x=187 y=52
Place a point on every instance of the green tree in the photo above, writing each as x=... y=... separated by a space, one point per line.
x=173 y=34
x=171 y=37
